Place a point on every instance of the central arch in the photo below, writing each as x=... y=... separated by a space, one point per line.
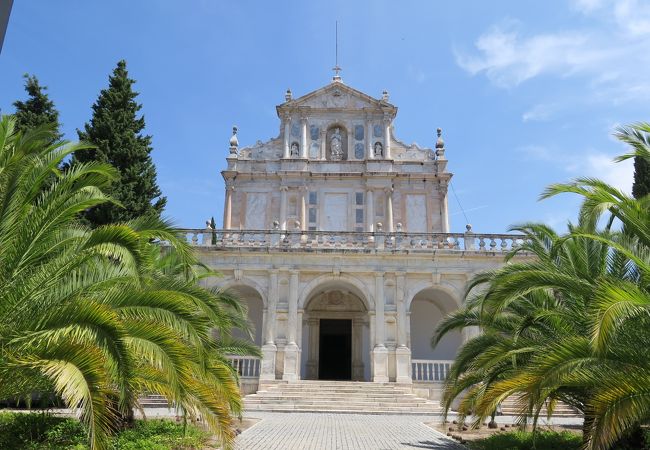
x=336 y=321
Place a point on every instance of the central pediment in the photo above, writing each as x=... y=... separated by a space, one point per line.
x=337 y=96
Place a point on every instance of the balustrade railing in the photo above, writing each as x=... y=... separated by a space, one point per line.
x=429 y=370
x=356 y=241
x=246 y=366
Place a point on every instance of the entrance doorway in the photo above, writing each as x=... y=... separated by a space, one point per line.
x=335 y=349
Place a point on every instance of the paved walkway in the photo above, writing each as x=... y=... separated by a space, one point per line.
x=308 y=431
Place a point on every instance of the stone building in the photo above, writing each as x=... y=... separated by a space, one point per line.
x=336 y=234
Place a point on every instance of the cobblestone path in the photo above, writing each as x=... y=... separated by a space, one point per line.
x=305 y=431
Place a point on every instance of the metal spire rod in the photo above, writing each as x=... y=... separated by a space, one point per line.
x=337 y=43
x=336 y=68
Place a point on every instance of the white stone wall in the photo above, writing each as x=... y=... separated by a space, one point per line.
x=438 y=282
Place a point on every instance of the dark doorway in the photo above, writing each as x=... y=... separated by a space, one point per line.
x=335 y=350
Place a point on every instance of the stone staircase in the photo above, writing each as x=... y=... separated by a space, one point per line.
x=509 y=407
x=153 y=401
x=339 y=397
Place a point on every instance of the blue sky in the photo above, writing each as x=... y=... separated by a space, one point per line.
x=527 y=93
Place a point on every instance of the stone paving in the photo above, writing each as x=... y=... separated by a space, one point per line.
x=316 y=431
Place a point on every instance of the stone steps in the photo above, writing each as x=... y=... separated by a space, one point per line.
x=153 y=401
x=339 y=397
x=509 y=407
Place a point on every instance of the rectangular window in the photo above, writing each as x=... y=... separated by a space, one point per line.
x=313 y=198
x=312 y=215
x=358 y=211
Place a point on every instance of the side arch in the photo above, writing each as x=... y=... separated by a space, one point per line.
x=254 y=297
x=232 y=283
x=448 y=288
x=428 y=305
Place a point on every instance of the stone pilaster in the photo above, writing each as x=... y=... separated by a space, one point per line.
x=291 y=350
x=380 y=352
x=287 y=137
x=269 y=349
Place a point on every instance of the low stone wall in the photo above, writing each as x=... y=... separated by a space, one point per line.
x=248 y=385
x=431 y=390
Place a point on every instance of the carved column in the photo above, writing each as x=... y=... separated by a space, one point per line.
x=357 y=349
x=402 y=352
x=314 y=337
x=287 y=136
x=389 y=210
x=370 y=154
x=227 y=212
x=370 y=211
x=303 y=137
x=380 y=352
x=291 y=360
x=387 y=154
x=269 y=348
x=303 y=208
x=283 y=207
x=323 y=144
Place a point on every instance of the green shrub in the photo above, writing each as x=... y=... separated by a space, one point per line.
x=522 y=440
x=160 y=434
x=46 y=432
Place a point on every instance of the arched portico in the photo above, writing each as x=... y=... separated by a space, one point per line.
x=335 y=332
x=426 y=309
x=255 y=311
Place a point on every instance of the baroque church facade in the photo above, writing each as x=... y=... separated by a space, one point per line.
x=336 y=235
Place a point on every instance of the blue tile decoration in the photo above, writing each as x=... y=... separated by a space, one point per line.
x=358 y=150
x=358 y=132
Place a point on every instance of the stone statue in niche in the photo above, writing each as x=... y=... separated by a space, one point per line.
x=336 y=146
x=295 y=150
x=379 y=150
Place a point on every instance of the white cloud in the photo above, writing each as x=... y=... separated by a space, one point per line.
x=539 y=113
x=612 y=52
x=416 y=74
x=508 y=59
x=633 y=16
x=587 y=6
x=594 y=164
x=600 y=165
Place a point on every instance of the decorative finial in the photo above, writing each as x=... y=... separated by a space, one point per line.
x=440 y=145
x=468 y=227
x=288 y=96
x=384 y=96
x=234 y=142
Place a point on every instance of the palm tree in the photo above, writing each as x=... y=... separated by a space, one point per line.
x=104 y=314
x=571 y=323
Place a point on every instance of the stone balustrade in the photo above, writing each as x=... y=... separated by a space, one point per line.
x=246 y=366
x=299 y=240
x=424 y=370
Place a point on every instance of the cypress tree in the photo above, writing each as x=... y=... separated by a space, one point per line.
x=37 y=110
x=641 y=186
x=116 y=130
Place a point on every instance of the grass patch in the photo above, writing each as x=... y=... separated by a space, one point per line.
x=46 y=432
x=522 y=440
